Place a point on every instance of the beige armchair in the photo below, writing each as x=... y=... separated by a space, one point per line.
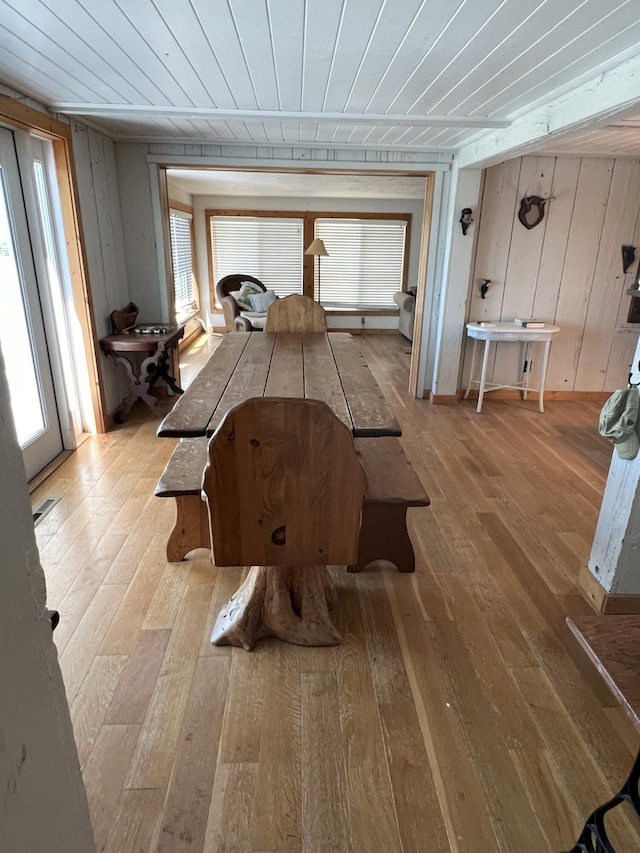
x=235 y=319
x=406 y=302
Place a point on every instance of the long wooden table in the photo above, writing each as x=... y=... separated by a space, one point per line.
x=318 y=366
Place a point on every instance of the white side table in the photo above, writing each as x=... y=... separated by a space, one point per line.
x=509 y=332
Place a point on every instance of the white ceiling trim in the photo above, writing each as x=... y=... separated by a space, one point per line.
x=254 y=158
x=594 y=103
x=106 y=110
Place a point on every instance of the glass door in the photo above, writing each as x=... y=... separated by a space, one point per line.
x=22 y=329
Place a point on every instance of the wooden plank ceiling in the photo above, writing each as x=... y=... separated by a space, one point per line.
x=416 y=75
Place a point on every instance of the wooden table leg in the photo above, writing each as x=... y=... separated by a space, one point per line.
x=290 y=603
x=138 y=387
x=483 y=374
x=543 y=374
x=152 y=368
x=472 y=369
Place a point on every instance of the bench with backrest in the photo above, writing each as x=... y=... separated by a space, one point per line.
x=296 y=313
x=284 y=490
x=393 y=488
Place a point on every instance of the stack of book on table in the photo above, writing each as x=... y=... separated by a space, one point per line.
x=529 y=323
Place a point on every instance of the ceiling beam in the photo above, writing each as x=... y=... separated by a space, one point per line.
x=148 y=111
x=590 y=106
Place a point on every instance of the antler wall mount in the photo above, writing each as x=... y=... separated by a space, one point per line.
x=531 y=211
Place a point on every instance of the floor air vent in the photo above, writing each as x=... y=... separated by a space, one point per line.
x=42 y=509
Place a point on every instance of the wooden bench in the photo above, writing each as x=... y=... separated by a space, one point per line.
x=182 y=480
x=393 y=487
x=612 y=643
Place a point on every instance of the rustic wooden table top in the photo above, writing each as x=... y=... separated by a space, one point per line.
x=145 y=338
x=319 y=366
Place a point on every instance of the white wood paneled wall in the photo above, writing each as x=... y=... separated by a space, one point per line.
x=567 y=270
x=100 y=210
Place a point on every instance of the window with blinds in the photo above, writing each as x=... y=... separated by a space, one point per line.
x=365 y=262
x=268 y=248
x=182 y=257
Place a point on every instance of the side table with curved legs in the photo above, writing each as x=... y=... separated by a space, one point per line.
x=158 y=342
x=508 y=332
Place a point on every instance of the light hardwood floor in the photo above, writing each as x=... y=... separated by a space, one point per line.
x=458 y=714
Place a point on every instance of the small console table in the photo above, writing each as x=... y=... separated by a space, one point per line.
x=156 y=340
x=500 y=332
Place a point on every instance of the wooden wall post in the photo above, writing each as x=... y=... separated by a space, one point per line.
x=613 y=582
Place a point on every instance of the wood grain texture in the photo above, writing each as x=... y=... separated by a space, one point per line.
x=284 y=490
x=291 y=603
x=186 y=807
x=321 y=377
x=284 y=486
x=296 y=313
x=613 y=644
x=194 y=413
x=459 y=689
x=246 y=365
x=369 y=410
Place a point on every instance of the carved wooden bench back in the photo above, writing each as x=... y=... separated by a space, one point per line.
x=295 y=313
x=284 y=486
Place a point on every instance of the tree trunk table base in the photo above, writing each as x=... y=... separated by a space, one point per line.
x=290 y=603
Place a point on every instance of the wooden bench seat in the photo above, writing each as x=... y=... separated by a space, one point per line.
x=393 y=487
x=612 y=643
x=182 y=480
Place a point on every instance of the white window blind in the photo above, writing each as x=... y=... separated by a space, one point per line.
x=182 y=257
x=364 y=267
x=270 y=249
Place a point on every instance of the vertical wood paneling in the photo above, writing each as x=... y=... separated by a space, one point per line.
x=494 y=241
x=99 y=204
x=608 y=279
x=141 y=256
x=536 y=178
x=583 y=245
x=567 y=270
x=556 y=237
x=522 y=276
x=621 y=357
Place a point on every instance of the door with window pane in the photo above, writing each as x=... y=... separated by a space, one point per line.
x=22 y=331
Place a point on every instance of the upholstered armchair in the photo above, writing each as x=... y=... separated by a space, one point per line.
x=406 y=302
x=236 y=319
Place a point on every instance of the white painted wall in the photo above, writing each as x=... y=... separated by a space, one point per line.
x=43 y=805
x=178 y=194
x=146 y=288
x=567 y=270
x=99 y=203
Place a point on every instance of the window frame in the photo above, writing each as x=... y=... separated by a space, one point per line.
x=308 y=218
x=280 y=215
x=357 y=253
x=179 y=207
